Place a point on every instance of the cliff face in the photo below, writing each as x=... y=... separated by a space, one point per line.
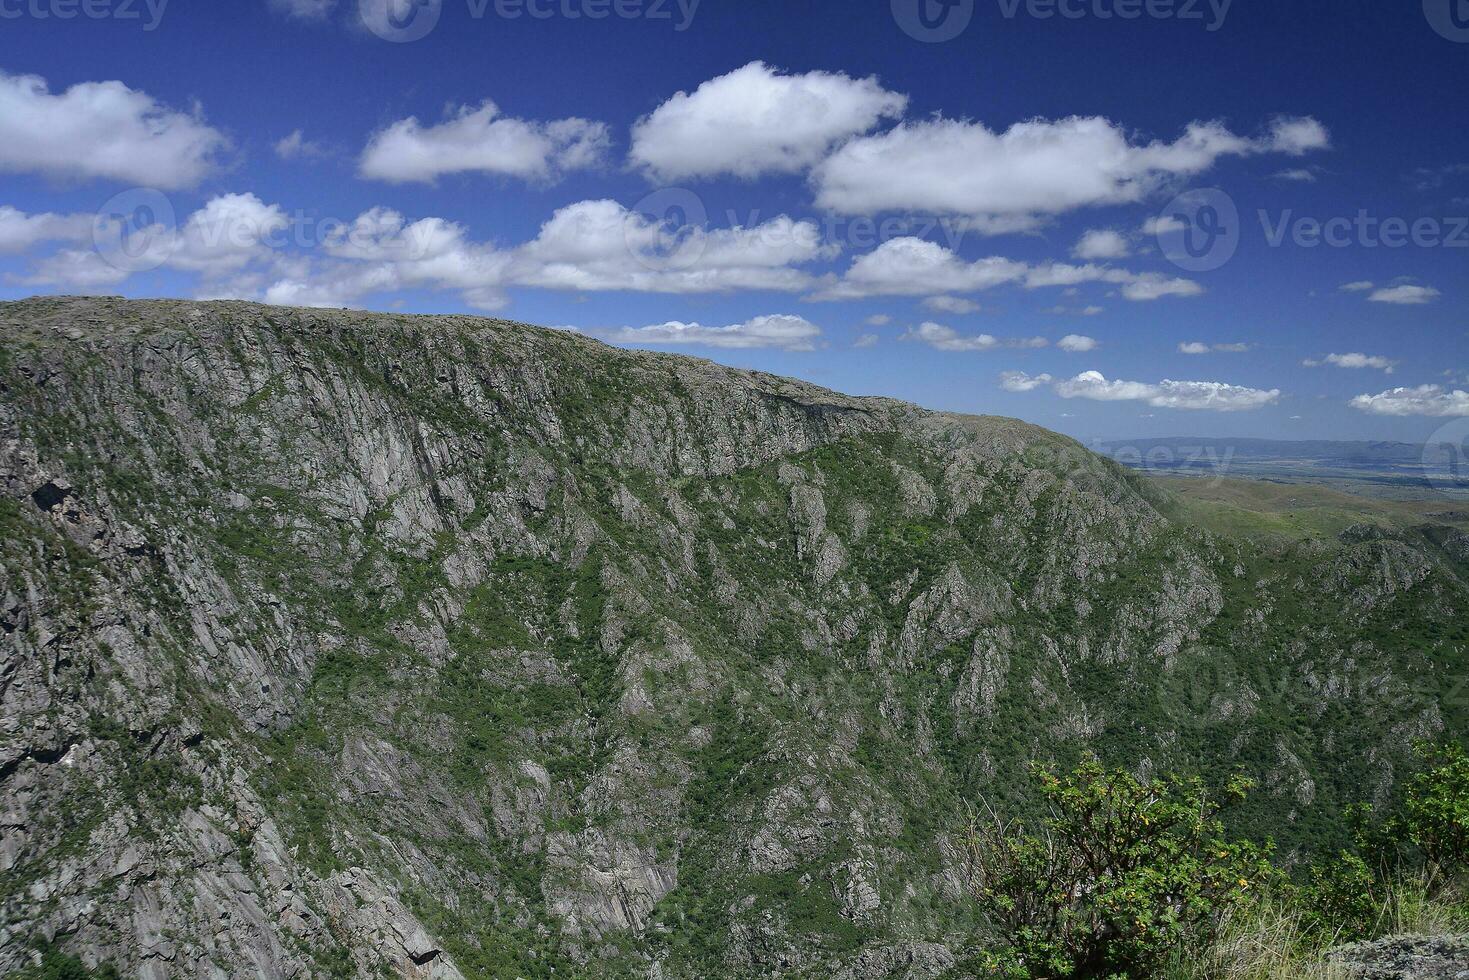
x=338 y=643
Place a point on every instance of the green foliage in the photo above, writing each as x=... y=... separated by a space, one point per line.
x=1435 y=811
x=1120 y=875
x=58 y=966
x=1342 y=900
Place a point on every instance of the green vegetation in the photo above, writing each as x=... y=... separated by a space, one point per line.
x=1120 y=874
x=58 y=966
x=1129 y=878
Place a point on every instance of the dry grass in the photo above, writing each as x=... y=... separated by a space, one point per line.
x=1270 y=941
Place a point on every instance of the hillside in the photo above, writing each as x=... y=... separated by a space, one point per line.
x=344 y=643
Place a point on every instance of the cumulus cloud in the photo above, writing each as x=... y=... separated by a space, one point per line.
x=1197 y=347
x=311 y=10
x=19 y=232
x=478 y=139
x=1020 y=381
x=866 y=340
x=1150 y=286
x=1355 y=361
x=1102 y=244
x=783 y=332
x=940 y=337
x=1405 y=295
x=916 y=267
x=102 y=130
x=943 y=338
x=1358 y=287
x=242 y=247
x=296 y=147
x=1163 y=225
x=1004 y=181
x=1077 y=344
x=602 y=246
x=1299 y=175
x=951 y=304
x=1214 y=396
x=1430 y=400
x=756 y=121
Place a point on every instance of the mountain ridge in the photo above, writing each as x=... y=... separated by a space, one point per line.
x=340 y=642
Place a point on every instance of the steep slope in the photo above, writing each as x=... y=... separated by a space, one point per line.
x=344 y=642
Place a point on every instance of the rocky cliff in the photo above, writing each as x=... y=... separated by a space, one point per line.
x=343 y=644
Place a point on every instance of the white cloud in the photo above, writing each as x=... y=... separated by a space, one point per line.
x=313 y=10
x=1212 y=396
x=1405 y=295
x=878 y=320
x=296 y=147
x=1358 y=287
x=1355 y=361
x=1431 y=400
x=245 y=248
x=102 y=130
x=1037 y=168
x=1163 y=225
x=866 y=340
x=940 y=337
x=1077 y=344
x=783 y=332
x=756 y=121
x=1102 y=244
x=915 y=267
x=1196 y=347
x=1075 y=311
x=601 y=246
x=951 y=304
x=1020 y=381
x=481 y=140
x=1300 y=175
x=1149 y=286
x=943 y=338
x=76 y=269
x=20 y=232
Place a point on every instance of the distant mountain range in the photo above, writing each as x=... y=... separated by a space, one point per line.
x=1433 y=464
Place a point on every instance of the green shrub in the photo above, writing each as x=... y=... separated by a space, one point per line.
x=1435 y=810
x=58 y=966
x=1343 y=900
x=1121 y=874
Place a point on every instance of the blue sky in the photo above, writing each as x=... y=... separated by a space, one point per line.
x=992 y=214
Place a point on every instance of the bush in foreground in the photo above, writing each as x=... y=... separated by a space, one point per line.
x=1126 y=878
x=1115 y=878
